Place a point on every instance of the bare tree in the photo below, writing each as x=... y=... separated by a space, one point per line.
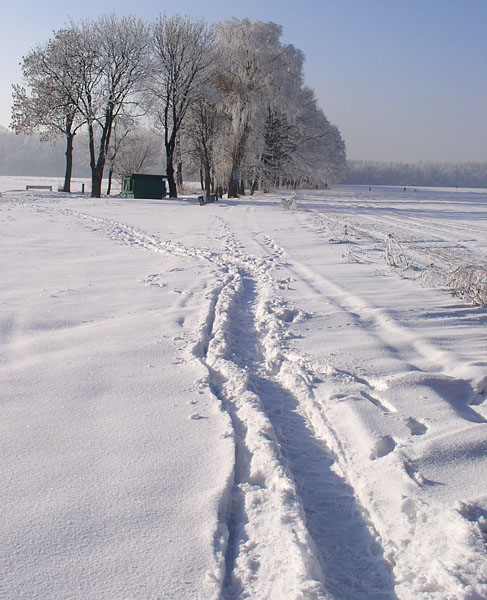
x=138 y=151
x=236 y=100
x=51 y=107
x=200 y=133
x=110 y=57
x=120 y=130
x=182 y=64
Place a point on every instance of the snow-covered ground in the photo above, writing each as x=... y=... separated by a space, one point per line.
x=273 y=397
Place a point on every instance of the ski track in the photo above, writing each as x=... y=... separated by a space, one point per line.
x=287 y=492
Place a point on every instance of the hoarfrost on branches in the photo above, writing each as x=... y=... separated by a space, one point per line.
x=229 y=100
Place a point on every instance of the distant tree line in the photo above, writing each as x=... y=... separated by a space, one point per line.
x=29 y=155
x=23 y=154
x=229 y=98
x=434 y=174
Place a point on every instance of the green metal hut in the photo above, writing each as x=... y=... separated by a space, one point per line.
x=140 y=185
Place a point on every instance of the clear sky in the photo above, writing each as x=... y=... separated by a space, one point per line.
x=403 y=80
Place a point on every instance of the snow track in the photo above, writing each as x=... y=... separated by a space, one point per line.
x=355 y=416
x=293 y=526
x=423 y=238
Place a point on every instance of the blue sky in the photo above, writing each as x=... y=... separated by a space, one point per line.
x=403 y=80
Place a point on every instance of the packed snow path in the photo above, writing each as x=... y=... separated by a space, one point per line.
x=333 y=442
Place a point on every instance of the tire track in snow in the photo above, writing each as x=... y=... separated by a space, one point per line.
x=291 y=517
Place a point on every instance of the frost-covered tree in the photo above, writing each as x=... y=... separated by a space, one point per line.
x=51 y=104
x=200 y=134
x=272 y=162
x=250 y=56
x=110 y=58
x=278 y=150
x=122 y=64
x=120 y=130
x=320 y=155
x=183 y=62
x=232 y=96
x=275 y=133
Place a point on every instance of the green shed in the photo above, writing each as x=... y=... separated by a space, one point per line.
x=140 y=185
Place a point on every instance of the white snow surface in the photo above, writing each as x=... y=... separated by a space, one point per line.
x=275 y=397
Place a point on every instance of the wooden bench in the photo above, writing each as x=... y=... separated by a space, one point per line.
x=39 y=187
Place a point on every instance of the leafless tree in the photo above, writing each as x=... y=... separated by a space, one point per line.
x=232 y=96
x=254 y=62
x=51 y=105
x=138 y=151
x=182 y=64
x=110 y=56
x=200 y=133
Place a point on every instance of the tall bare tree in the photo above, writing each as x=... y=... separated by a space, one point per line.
x=120 y=71
x=182 y=64
x=200 y=133
x=51 y=105
x=253 y=63
x=109 y=57
x=235 y=100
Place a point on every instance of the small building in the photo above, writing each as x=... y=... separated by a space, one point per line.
x=140 y=185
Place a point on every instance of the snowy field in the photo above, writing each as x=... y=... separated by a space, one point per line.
x=275 y=397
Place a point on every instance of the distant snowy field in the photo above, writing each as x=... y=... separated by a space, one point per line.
x=280 y=396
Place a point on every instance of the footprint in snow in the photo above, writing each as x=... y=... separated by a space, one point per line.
x=289 y=315
x=475 y=514
x=415 y=427
x=384 y=446
x=410 y=509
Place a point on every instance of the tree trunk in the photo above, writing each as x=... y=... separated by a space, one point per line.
x=98 y=167
x=179 y=162
x=110 y=175
x=237 y=157
x=69 y=162
x=179 y=174
x=254 y=186
x=96 y=181
x=91 y=136
x=207 y=179
x=97 y=175
x=173 y=190
x=233 y=184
